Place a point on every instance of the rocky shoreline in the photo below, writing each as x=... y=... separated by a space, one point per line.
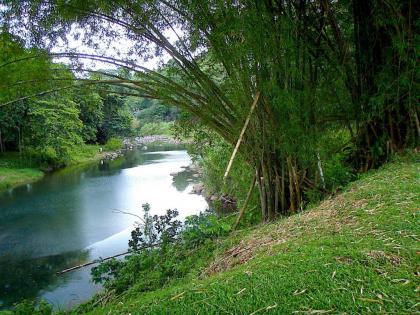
x=223 y=202
x=139 y=141
x=142 y=142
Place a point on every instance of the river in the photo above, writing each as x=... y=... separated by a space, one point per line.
x=73 y=216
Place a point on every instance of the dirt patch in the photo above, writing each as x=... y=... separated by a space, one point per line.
x=240 y=254
x=344 y=260
x=381 y=256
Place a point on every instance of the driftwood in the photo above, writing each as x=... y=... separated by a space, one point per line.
x=238 y=143
x=103 y=259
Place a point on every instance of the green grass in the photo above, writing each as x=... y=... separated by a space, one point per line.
x=14 y=171
x=10 y=178
x=354 y=253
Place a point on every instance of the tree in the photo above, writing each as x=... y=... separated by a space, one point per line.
x=383 y=88
x=117 y=119
x=54 y=129
x=16 y=82
x=90 y=105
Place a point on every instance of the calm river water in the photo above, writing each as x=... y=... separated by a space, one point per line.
x=71 y=217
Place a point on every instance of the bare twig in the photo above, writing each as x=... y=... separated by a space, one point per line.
x=129 y=213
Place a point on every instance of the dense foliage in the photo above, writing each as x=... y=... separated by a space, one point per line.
x=149 y=111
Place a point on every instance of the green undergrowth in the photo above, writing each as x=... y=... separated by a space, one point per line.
x=356 y=252
x=85 y=153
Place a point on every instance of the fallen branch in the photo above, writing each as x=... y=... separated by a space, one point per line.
x=103 y=259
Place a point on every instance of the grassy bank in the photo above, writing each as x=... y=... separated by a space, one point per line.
x=16 y=170
x=13 y=177
x=353 y=253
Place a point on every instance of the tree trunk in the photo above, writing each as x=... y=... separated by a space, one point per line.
x=1 y=143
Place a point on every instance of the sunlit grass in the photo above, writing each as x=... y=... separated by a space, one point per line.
x=17 y=170
x=10 y=177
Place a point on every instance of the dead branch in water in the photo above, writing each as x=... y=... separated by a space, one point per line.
x=104 y=259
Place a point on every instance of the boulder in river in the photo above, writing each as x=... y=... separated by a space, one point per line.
x=197 y=189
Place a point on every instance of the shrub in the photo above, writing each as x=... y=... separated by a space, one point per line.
x=178 y=251
x=47 y=156
x=201 y=227
x=152 y=230
x=156 y=128
x=30 y=308
x=113 y=144
x=163 y=229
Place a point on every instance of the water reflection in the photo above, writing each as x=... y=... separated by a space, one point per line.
x=23 y=278
x=69 y=218
x=183 y=179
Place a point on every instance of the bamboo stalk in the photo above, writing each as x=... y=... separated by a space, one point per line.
x=276 y=192
x=321 y=171
x=248 y=197
x=291 y=186
x=238 y=143
x=283 y=189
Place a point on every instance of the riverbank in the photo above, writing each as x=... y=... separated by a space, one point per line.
x=16 y=170
x=352 y=253
x=11 y=177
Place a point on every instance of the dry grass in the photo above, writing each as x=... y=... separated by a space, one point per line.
x=379 y=255
x=331 y=216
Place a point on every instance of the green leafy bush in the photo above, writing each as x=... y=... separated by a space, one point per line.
x=113 y=144
x=163 y=229
x=180 y=248
x=30 y=308
x=201 y=227
x=156 y=128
